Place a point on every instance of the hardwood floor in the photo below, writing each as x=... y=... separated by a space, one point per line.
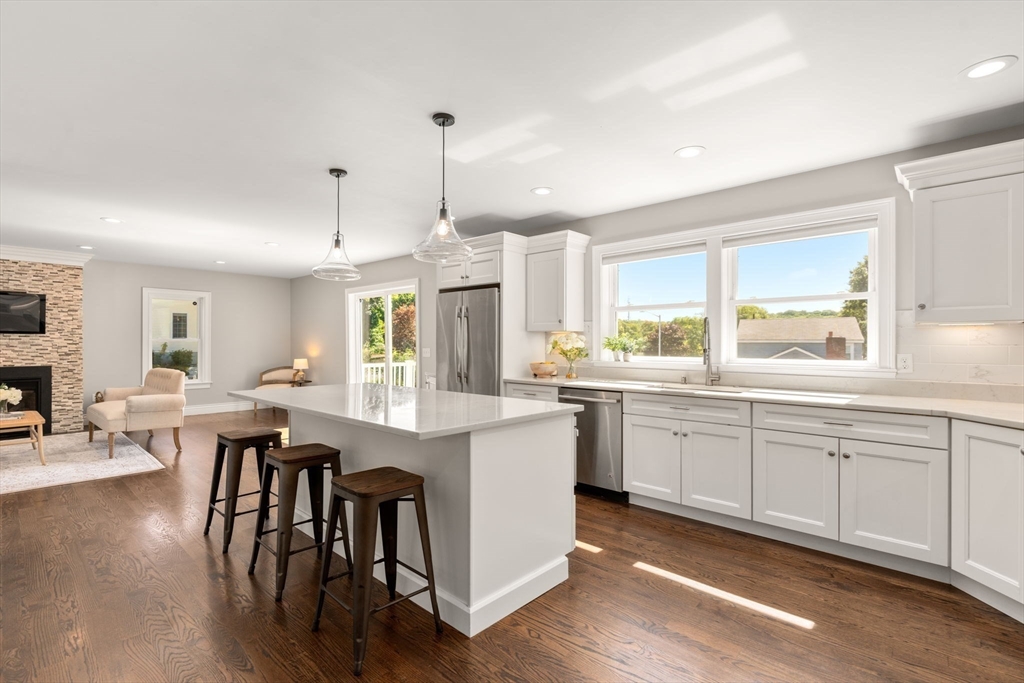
x=114 y=581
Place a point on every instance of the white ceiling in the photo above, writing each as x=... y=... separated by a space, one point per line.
x=209 y=127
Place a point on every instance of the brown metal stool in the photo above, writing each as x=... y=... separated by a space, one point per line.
x=234 y=444
x=369 y=491
x=288 y=462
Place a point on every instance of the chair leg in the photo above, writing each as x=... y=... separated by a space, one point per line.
x=91 y=428
x=315 y=480
x=177 y=442
x=428 y=562
x=389 y=541
x=286 y=492
x=343 y=513
x=365 y=537
x=261 y=515
x=110 y=445
x=254 y=409
x=150 y=432
x=236 y=454
x=218 y=465
x=325 y=566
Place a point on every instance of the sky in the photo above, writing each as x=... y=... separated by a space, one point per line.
x=814 y=266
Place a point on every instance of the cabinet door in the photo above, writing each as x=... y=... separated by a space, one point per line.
x=545 y=291
x=969 y=251
x=716 y=468
x=651 y=457
x=451 y=275
x=895 y=499
x=484 y=268
x=796 y=482
x=988 y=506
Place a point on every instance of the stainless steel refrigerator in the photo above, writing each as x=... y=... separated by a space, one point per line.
x=468 y=332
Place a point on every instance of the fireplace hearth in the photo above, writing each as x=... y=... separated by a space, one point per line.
x=36 y=387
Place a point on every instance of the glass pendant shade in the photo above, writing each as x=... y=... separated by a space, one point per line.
x=443 y=245
x=337 y=265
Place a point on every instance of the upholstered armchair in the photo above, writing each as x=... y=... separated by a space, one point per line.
x=157 y=404
x=276 y=378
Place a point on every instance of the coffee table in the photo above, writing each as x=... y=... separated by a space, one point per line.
x=32 y=422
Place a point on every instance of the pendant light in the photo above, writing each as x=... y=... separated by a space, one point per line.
x=443 y=245
x=337 y=265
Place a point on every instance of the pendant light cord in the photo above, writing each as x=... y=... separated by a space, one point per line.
x=442 y=162
x=337 y=233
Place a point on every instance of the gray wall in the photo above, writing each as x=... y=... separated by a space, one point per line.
x=319 y=314
x=251 y=318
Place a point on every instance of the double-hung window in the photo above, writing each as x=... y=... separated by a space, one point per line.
x=176 y=333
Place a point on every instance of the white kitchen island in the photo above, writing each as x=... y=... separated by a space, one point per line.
x=499 y=477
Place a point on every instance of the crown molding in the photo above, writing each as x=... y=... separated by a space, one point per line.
x=32 y=255
x=563 y=239
x=505 y=240
x=960 y=167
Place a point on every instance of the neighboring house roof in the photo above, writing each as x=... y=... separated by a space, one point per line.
x=795 y=352
x=798 y=330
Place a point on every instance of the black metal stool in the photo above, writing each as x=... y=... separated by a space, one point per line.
x=370 y=491
x=234 y=444
x=288 y=462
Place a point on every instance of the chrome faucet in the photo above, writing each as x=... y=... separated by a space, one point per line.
x=710 y=377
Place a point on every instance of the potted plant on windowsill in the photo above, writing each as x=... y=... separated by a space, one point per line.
x=614 y=344
x=629 y=345
x=570 y=346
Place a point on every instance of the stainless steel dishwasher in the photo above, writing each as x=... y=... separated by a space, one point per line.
x=599 y=436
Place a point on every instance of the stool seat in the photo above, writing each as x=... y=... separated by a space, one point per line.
x=307 y=452
x=379 y=481
x=251 y=435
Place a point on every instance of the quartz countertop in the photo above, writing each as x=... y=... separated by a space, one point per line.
x=409 y=412
x=988 y=412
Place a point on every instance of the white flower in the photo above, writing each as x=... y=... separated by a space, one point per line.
x=12 y=396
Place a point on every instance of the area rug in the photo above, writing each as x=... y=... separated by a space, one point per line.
x=70 y=458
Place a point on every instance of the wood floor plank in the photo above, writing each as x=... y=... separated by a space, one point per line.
x=113 y=580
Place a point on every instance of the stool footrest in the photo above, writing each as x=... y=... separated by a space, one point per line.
x=398 y=600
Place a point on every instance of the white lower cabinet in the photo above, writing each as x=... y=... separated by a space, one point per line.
x=796 y=482
x=716 y=468
x=651 y=457
x=886 y=497
x=895 y=499
x=988 y=506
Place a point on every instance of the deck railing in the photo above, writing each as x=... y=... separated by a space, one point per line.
x=403 y=374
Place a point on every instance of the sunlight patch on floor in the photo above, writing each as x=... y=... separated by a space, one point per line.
x=586 y=546
x=736 y=599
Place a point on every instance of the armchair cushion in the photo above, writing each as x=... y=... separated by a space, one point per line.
x=120 y=393
x=108 y=416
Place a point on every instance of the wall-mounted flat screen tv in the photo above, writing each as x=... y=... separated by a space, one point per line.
x=22 y=313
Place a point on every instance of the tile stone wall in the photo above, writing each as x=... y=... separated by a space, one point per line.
x=61 y=346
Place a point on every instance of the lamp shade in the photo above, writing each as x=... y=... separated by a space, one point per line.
x=300 y=364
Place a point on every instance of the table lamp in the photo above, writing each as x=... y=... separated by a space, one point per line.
x=300 y=365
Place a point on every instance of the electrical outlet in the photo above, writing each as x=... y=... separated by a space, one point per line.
x=425 y=353
x=904 y=362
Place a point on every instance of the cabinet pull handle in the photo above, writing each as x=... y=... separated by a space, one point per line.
x=831 y=454
x=679 y=407
x=846 y=455
x=837 y=424
x=528 y=393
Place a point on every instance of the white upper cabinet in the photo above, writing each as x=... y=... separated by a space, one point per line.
x=554 y=281
x=968 y=234
x=988 y=506
x=483 y=269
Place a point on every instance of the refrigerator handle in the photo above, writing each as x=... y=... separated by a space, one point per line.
x=458 y=345
x=465 y=343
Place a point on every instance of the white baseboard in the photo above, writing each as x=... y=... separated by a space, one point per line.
x=992 y=598
x=209 y=408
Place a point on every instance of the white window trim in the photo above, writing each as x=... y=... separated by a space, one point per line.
x=882 y=273
x=205 y=380
x=355 y=326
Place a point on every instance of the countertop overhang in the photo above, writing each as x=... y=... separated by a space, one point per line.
x=413 y=413
x=988 y=412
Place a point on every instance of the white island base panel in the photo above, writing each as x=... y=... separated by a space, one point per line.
x=500 y=508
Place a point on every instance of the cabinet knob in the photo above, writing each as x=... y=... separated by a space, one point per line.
x=559 y=321
x=921 y=306
x=675 y=432
x=686 y=433
x=832 y=454
x=846 y=455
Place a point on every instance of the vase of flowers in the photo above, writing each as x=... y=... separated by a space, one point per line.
x=571 y=347
x=8 y=397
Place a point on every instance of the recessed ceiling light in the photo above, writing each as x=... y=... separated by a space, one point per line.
x=220 y=263
x=83 y=246
x=689 y=152
x=989 y=67
x=542 y=190
x=272 y=244
x=111 y=220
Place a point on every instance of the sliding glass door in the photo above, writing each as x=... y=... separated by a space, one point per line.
x=384 y=346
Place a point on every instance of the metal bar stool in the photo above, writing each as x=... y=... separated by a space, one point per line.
x=314 y=458
x=233 y=445
x=372 y=491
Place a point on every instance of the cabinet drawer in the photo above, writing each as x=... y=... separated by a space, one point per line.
x=688 y=408
x=909 y=430
x=532 y=392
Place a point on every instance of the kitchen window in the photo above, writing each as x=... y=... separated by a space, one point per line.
x=808 y=293
x=176 y=333
x=384 y=334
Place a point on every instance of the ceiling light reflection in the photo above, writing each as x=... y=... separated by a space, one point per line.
x=735 y=599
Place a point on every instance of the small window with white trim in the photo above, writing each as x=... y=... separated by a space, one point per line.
x=176 y=333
